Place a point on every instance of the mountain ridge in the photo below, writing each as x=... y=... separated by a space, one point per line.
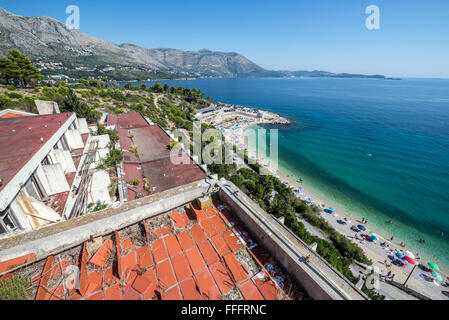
x=57 y=50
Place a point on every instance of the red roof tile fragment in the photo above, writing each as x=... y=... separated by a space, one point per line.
x=83 y=272
x=236 y=270
x=16 y=262
x=165 y=274
x=189 y=290
x=144 y=257
x=113 y=293
x=181 y=266
x=208 y=227
x=195 y=260
x=207 y=286
x=185 y=240
x=145 y=228
x=109 y=277
x=96 y=297
x=102 y=255
x=177 y=219
x=129 y=262
x=222 y=277
x=94 y=282
x=211 y=211
x=219 y=224
x=198 y=233
x=250 y=291
x=232 y=240
x=220 y=245
x=159 y=251
x=119 y=255
x=174 y=294
x=166 y=230
x=266 y=286
x=209 y=254
x=145 y=286
x=172 y=245
x=127 y=245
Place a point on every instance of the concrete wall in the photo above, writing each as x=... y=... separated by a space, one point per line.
x=100 y=188
x=47 y=107
x=318 y=279
x=82 y=126
x=64 y=158
x=52 y=179
x=74 y=139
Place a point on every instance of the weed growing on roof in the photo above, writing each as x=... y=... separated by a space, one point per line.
x=15 y=288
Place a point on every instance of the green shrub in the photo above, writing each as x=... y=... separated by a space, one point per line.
x=15 y=288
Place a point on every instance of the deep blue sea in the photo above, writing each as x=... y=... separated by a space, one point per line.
x=379 y=148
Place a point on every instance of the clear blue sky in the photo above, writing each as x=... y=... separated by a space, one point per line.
x=276 y=34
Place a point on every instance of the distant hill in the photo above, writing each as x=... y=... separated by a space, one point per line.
x=58 y=50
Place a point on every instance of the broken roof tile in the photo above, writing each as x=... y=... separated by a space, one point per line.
x=236 y=270
x=94 y=282
x=113 y=293
x=219 y=224
x=266 y=286
x=173 y=294
x=185 y=240
x=232 y=240
x=166 y=230
x=97 y=296
x=127 y=245
x=181 y=266
x=159 y=251
x=172 y=245
x=195 y=259
x=177 y=220
x=250 y=291
x=220 y=245
x=165 y=275
x=16 y=262
x=144 y=257
x=209 y=253
x=211 y=211
x=198 y=233
x=145 y=286
x=207 y=286
x=222 y=278
x=83 y=272
x=129 y=262
x=109 y=277
x=208 y=227
x=102 y=255
x=189 y=289
x=119 y=255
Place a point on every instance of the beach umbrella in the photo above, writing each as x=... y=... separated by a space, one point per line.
x=409 y=260
x=361 y=227
x=374 y=238
x=437 y=276
x=434 y=266
x=409 y=254
x=332 y=209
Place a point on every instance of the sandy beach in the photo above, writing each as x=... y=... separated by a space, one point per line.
x=374 y=251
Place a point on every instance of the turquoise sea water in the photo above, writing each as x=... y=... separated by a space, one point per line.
x=378 y=148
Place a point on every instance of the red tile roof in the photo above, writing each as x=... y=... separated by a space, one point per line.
x=193 y=270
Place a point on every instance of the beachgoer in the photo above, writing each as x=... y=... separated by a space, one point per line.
x=392 y=277
x=392 y=238
x=402 y=244
x=307 y=259
x=385 y=262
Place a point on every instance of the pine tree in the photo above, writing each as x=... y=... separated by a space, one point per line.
x=16 y=69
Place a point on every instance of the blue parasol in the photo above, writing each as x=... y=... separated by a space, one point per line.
x=361 y=227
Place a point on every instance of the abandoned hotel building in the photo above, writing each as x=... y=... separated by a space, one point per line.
x=163 y=231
